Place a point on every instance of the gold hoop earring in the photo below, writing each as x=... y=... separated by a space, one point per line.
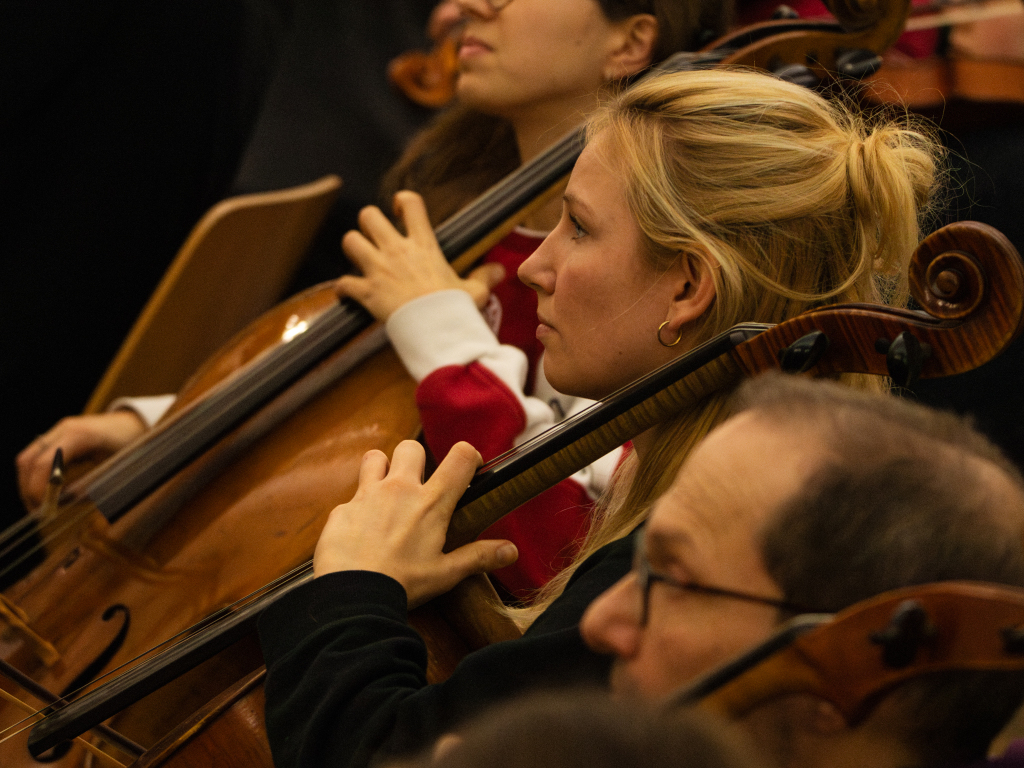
x=674 y=342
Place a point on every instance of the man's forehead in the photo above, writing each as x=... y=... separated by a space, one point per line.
x=740 y=473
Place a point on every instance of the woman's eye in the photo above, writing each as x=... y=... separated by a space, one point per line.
x=578 y=230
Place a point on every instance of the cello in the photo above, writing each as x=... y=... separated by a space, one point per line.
x=958 y=272
x=855 y=658
x=170 y=544
x=966 y=76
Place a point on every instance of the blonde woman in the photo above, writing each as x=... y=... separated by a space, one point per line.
x=701 y=200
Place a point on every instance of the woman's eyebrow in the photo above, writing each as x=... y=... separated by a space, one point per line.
x=577 y=204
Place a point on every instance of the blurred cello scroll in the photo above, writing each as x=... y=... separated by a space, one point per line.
x=853 y=657
x=983 y=62
x=427 y=78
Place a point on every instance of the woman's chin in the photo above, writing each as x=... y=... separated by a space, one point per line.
x=570 y=383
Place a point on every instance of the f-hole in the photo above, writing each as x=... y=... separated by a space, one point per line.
x=91 y=672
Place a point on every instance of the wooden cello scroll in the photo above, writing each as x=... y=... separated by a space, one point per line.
x=427 y=78
x=851 y=48
x=854 y=657
x=965 y=273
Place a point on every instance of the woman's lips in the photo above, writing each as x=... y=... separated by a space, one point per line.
x=543 y=328
x=472 y=46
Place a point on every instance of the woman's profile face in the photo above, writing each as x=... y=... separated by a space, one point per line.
x=531 y=53
x=599 y=300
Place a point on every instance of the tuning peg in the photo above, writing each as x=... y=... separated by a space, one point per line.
x=908 y=629
x=804 y=353
x=904 y=357
x=858 y=63
x=797 y=74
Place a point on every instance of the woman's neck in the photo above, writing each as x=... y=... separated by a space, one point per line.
x=540 y=127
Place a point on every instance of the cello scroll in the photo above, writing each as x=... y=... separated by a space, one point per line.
x=847 y=659
x=966 y=275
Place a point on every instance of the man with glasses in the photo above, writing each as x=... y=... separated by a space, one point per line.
x=812 y=498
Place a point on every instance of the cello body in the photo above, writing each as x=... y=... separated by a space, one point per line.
x=193 y=548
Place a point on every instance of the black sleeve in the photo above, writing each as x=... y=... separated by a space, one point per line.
x=346 y=675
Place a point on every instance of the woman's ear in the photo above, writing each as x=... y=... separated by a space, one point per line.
x=632 y=46
x=694 y=293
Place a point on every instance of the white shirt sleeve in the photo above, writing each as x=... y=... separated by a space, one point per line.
x=150 y=409
x=446 y=328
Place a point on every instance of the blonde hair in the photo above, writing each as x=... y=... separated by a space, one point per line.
x=788 y=200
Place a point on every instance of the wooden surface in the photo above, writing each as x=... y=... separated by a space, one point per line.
x=841 y=663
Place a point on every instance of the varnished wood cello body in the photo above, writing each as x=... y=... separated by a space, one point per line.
x=147 y=552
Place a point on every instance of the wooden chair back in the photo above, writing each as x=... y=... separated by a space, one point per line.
x=235 y=265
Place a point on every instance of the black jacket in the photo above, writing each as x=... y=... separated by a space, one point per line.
x=346 y=674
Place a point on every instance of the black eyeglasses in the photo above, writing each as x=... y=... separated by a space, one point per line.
x=646 y=577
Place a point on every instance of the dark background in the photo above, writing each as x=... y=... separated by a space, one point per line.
x=123 y=121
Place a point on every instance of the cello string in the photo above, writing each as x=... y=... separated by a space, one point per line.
x=33 y=717
x=49 y=508
x=208 y=624
x=25 y=523
x=55 y=532
x=12 y=530
x=33 y=688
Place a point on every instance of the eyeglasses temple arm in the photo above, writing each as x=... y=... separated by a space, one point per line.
x=710 y=682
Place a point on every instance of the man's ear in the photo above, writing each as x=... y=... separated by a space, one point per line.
x=694 y=293
x=632 y=46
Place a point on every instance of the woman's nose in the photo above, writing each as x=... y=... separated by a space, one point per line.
x=479 y=8
x=537 y=271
